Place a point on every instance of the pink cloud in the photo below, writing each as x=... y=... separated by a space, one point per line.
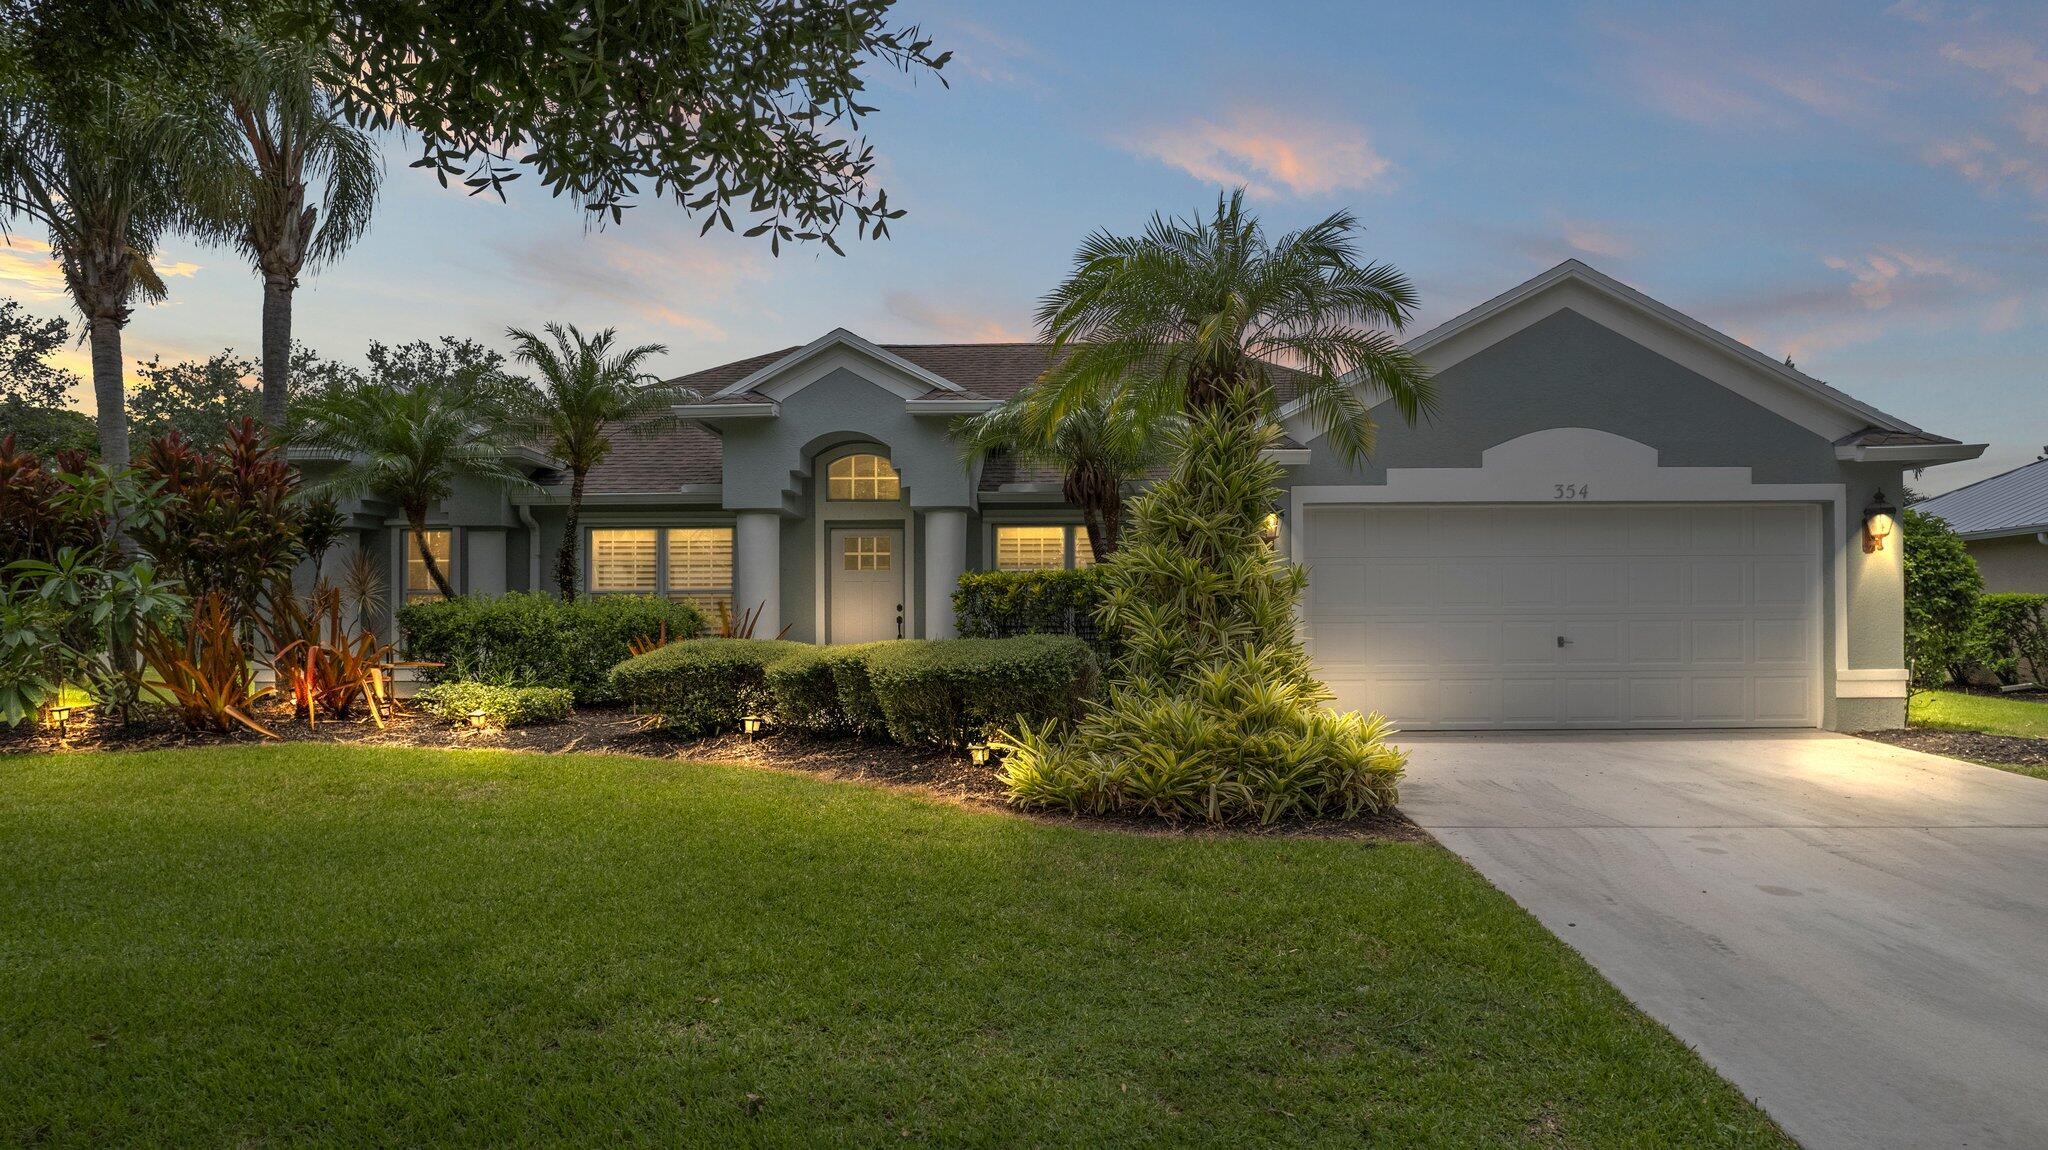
x=1270 y=154
x=2015 y=62
x=1596 y=240
x=953 y=325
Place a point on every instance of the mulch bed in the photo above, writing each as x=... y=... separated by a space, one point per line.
x=1972 y=745
x=936 y=773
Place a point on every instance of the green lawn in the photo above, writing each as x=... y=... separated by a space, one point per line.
x=1962 y=711
x=320 y=944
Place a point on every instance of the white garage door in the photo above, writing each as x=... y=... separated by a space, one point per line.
x=1462 y=617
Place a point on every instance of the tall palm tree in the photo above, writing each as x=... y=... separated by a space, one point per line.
x=296 y=145
x=1097 y=445
x=588 y=387
x=1178 y=318
x=107 y=170
x=408 y=438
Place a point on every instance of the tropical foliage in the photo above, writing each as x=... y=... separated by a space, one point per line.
x=1212 y=711
x=1097 y=445
x=589 y=387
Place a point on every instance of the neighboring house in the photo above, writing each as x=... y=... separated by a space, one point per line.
x=1617 y=518
x=2004 y=522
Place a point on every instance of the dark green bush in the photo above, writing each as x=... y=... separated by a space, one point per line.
x=501 y=706
x=2009 y=636
x=701 y=686
x=537 y=640
x=1942 y=586
x=949 y=692
x=1001 y=604
x=825 y=690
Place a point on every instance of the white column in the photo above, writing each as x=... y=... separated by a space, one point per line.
x=757 y=569
x=945 y=560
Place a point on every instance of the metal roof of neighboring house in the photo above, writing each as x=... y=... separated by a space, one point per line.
x=2014 y=503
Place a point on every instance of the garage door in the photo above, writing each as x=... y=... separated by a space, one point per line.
x=1460 y=617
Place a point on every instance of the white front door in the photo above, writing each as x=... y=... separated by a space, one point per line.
x=1588 y=616
x=865 y=569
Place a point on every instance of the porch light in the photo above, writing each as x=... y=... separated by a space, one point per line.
x=751 y=724
x=1269 y=529
x=977 y=753
x=1879 y=521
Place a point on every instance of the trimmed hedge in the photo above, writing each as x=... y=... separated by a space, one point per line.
x=537 y=640
x=949 y=692
x=502 y=706
x=825 y=690
x=701 y=686
x=1001 y=604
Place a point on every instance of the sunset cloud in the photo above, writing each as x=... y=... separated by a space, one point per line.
x=27 y=270
x=953 y=325
x=2012 y=61
x=1270 y=154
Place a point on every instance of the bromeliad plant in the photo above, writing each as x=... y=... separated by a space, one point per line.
x=203 y=668
x=319 y=665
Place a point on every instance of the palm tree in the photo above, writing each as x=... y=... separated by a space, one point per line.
x=1180 y=317
x=107 y=170
x=296 y=142
x=1097 y=445
x=406 y=439
x=586 y=389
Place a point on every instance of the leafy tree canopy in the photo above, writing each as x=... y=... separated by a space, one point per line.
x=202 y=399
x=27 y=377
x=724 y=106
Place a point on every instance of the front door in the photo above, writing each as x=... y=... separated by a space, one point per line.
x=865 y=568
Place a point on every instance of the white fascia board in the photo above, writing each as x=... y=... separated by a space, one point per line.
x=950 y=406
x=687 y=493
x=1287 y=456
x=2038 y=530
x=1918 y=454
x=743 y=410
x=837 y=338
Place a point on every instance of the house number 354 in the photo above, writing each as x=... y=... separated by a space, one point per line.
x=1571 y=491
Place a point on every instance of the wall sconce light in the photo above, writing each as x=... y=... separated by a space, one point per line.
x=752 y=725
x=977 y=753
x=1879 y=522
x=1269 y=529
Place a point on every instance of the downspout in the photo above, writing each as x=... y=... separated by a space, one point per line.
x=532 y=547
x=2041 y=537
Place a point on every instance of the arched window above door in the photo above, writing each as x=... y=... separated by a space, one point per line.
x=862 y=478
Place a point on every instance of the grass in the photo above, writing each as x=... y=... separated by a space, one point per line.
x=1991 y=714
x=342 y=945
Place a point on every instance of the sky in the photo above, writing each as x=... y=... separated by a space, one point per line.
x=1861 y=187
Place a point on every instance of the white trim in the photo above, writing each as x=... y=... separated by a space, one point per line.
x=951 y=406
x=1922 y=454
x=1660 y=328
x=1872 y=683
x=1526 y=470
x=837 y=340
x=748 y=409
x=1286 y=456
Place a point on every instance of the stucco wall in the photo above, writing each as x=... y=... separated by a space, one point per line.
x=2019 y=563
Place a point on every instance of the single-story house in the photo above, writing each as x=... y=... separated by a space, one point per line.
x=2004 y=522
x=1618 y=518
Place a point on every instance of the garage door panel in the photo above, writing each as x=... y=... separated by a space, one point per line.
x=1675 y=616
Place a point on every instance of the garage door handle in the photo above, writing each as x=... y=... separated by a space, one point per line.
x=1563 y=642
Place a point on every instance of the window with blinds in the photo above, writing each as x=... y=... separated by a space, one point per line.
x=419 y=585
x=862 y=479
x=1084 y=554
x=689 y=563
x=1031 y=548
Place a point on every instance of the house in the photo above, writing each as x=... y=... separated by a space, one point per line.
x=1617 y=518
x=2004 y=522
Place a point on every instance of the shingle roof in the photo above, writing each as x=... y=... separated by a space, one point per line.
x=2015 y=503
x=1886 y=437
x=654 y=462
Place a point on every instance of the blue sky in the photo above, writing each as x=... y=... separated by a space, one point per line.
x=1862 y=187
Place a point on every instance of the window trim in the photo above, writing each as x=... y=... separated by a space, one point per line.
x=407 y=593
x=1070 y=545
x=849 y=458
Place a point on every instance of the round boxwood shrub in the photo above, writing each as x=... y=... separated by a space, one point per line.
x=701 y=686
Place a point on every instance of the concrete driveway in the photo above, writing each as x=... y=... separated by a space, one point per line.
x=1855 y=935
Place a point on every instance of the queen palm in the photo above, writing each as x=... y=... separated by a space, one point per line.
x=589 y=387
x=1186 y=314
x=408 y=437
x=1097 y=446
x=107 y=170
x=296 y=146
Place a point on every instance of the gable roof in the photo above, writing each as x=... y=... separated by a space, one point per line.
x=2013 y=503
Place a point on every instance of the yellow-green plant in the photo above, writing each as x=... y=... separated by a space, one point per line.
x=1213 y=711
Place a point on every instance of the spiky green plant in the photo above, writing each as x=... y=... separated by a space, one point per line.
x=1213 y=711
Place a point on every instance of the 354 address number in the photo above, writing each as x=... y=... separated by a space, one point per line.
x=1571 y=491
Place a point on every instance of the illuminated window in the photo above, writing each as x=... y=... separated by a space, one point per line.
x=689 y=563
x=1084 y=553
x=419 y=586
x=865 y=552
x=862 y=479
x=1031 y=548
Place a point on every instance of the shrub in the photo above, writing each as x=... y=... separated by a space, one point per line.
x=2009 y=636
x=949 y=692
x=811 y=687
x=1213 y=711
x=702 y=685
x=537 y=640
x=233 y=524
x=1942 y=586
x=501 y=706
x=999 y=604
